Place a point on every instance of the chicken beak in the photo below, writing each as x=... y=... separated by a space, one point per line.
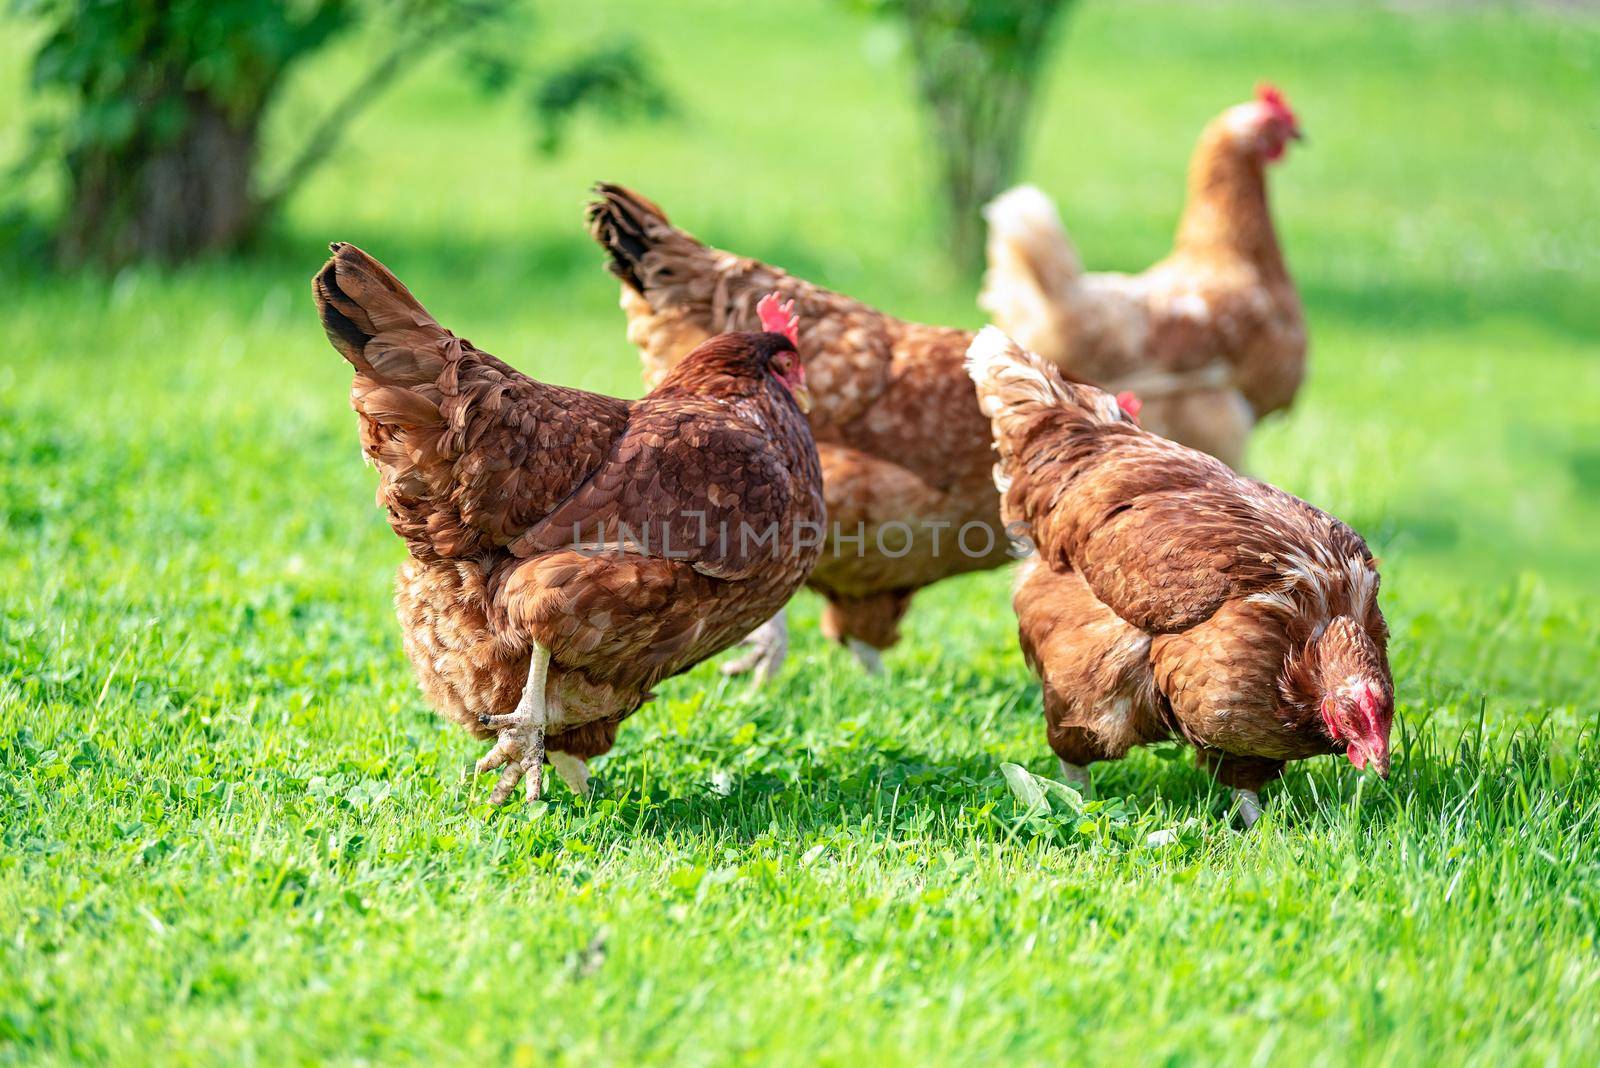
x=802 y=396
x=1298 y=134
x=1377 y=755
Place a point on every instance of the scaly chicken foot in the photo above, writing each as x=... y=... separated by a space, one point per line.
x=870 y=659
x=1076 y=776
x=574 y=771
x=769 y=644
x=520 y=747
x=1247 y=805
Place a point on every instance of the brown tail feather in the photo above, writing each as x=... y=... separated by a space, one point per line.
x=358 y=299
x=628 y=226
x=395 y=391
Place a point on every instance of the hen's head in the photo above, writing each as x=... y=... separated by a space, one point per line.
x=1357 y=697
x=778 y=318
x=1264 y=126
x=741 y=362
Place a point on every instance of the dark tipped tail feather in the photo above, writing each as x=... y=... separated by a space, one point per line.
x=358 y=298
x=399 y=353
x=627 y=226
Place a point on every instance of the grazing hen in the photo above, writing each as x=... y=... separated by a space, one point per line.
x=568 y=551
x=1172 y=596
x=905 y=451
x=1212 y=338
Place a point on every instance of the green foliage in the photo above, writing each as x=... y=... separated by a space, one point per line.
x=126 y=64
x=978 y=64
x=614 y=81
x=166 y=101
x=232 y=833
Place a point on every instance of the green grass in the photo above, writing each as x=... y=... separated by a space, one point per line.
x=233 y=833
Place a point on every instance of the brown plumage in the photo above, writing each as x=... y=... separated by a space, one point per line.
x=1212 y=338
x=905 y=451
x=1170 y=596
x=566 y=528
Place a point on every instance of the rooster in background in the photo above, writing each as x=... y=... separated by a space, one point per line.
x=1212 y=338
x=1172 y=596
x=905 y=451
x=560 y=563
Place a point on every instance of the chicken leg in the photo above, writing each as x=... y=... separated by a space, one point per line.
x=1247 y=806
x=520 y=747
x=769 y=644
x=1076 y=776
x=870 y=659
x=574 y=771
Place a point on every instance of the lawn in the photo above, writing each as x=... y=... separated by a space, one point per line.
x=234 y=834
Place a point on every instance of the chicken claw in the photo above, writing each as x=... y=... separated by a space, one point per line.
x=769 y=644
x=870 y=659
x=520 y=747
x=574 y=771
x=1076 y=776
x=1247 y=804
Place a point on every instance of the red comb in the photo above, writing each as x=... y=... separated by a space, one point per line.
x=779 y=317
x=1129 y=402
x=1272 y=97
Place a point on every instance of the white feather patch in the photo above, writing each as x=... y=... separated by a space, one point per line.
x=989 y=351
x=998 y=364
x=1023 y=208
x=1314 y=582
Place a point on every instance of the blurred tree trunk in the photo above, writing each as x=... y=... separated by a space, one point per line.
x=165 y=198
x=977 y=67
x=161 y=136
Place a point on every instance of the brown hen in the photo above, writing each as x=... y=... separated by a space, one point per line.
x=904 y=449
x=1170 y=596
x=1212 y=338
x=568 y=551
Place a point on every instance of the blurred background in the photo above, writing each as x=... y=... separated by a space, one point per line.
x=223 y=797
x=178 y=168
